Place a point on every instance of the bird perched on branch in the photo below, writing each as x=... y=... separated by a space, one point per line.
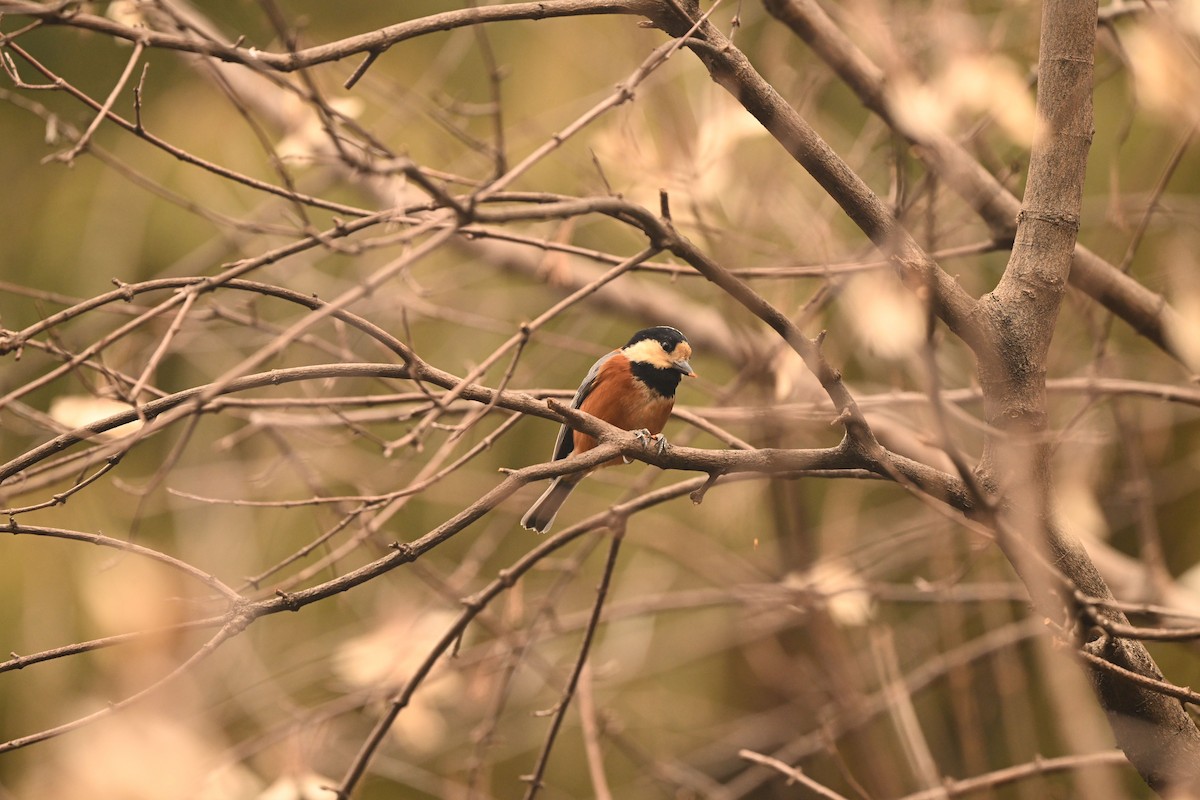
x=632 y=388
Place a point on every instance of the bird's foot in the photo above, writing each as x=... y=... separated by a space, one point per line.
x=656 y=439
x=644 y=438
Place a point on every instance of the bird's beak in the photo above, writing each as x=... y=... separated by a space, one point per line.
x=685 y=368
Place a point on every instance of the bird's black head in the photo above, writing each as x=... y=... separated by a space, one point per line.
x=659 y=358
x=666 y=336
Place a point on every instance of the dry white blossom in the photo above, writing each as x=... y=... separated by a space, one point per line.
x=126 y=12
x=967 y=87
x=1165 y=72
x=140 y=755
x=306 y=786
x=76 y=411
x=305 y=136
x=887 y=318
x=843 y=590
x=385 y=658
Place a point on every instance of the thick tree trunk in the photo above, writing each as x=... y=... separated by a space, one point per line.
x=1153 y=729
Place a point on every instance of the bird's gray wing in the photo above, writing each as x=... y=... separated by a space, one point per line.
x=566 y=442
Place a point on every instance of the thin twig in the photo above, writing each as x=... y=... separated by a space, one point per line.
x=564 y=702
x=793 y=774
x=69 y=156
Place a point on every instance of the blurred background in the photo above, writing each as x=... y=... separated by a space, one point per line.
x=844 y=626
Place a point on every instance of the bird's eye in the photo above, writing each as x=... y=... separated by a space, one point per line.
x=668 y=346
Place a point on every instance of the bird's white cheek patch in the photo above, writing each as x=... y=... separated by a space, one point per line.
x=649 y=351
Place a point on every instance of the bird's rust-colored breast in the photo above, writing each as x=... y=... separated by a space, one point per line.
x=622 y=400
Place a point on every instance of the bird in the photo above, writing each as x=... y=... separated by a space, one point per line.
x=632 y=388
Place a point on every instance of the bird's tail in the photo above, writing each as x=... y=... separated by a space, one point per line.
x=541 y=514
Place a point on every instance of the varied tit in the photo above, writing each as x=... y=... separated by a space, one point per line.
x=632 y=388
